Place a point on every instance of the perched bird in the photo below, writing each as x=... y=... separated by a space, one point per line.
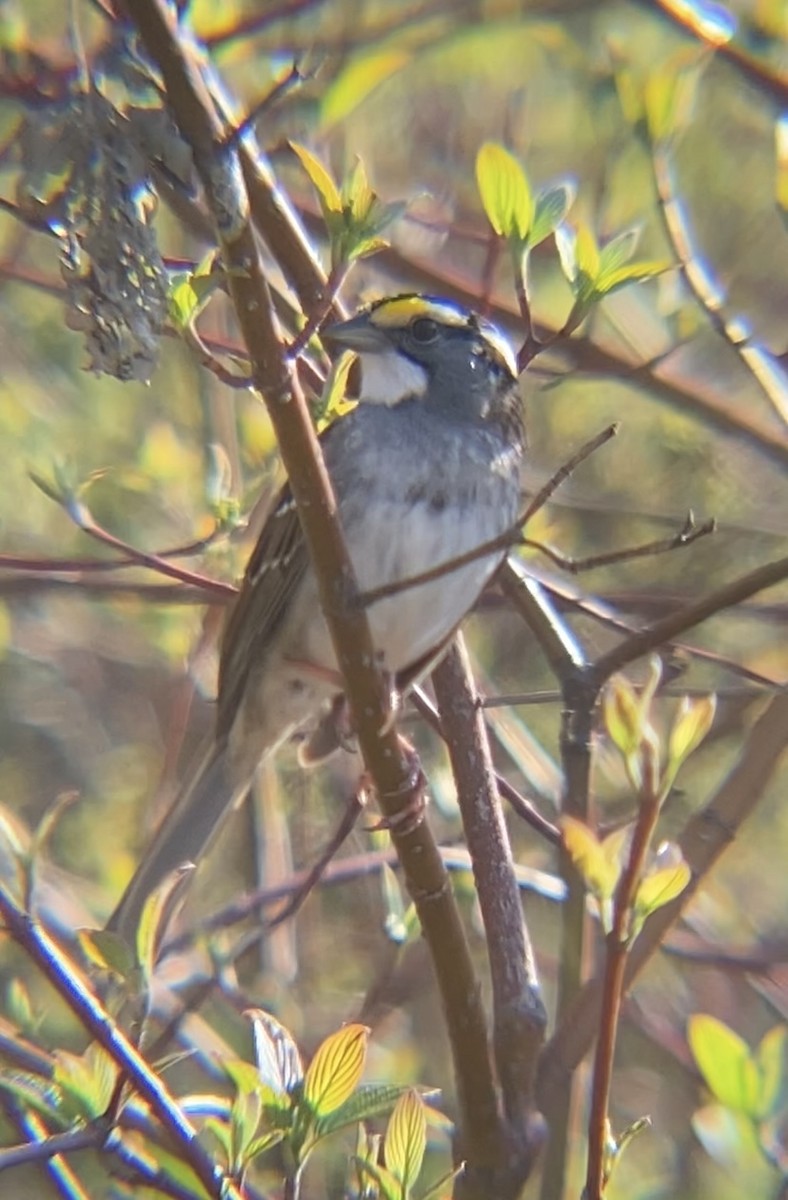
x=425 y=469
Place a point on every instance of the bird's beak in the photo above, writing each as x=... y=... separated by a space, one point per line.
x=357 y=334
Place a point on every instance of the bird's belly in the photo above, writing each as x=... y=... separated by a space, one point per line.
x=411 y=623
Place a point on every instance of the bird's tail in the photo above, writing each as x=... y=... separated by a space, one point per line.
x=183 y=836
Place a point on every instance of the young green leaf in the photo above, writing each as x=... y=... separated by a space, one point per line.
x=87 y=1081
x=327 y=191
x=363 y=73
x=108 y=951
x=622 y=715
x=658 y=889
x=550 y=209
x=279 y=1065
x=595 y=861
x=771 y=1062
x=726 y=1064
x=155 y=914
x=693 y=722
x=406 y=1139
x=728 y=1137
x=335 y=1071
x=505 y=192
x=368 y=1101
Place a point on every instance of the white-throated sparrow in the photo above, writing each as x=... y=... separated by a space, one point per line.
x=425 y=469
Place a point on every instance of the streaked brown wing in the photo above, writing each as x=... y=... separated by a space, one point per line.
x=273 y=573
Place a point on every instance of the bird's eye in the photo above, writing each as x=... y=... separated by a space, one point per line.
x=424 y=330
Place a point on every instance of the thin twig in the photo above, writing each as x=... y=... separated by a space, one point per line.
x=617 y=945
x=68 y=983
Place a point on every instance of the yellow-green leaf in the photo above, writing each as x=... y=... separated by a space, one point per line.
x=87 y=1080
x=333 y=403
x=693 y=722
x=335 y=1071
x=622 y=715
x=660 y=887
x=587 y=253
x=106 y=950
x=327 y=190
x=781 y=163
x=155 y=912
x=505 y=191
x=636 y=272
x=725 y=1062
x=550 y=209
x=362 y=75
x=727 y=1136
x=357 y=195
x=406 y=1139
x=771 y=1060
x=599 y=873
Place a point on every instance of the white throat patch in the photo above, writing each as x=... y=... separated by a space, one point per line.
x=390 y=377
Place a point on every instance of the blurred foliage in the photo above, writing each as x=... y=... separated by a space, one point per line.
x=106 y=690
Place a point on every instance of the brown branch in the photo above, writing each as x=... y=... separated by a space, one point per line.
x=398 y=787
x=519 y=1016
x=656 y=635
x=617 y=947
x=569 y=664
x=90 y=1138
x=524 y=809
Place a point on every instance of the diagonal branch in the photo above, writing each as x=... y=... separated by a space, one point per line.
x=398 y=786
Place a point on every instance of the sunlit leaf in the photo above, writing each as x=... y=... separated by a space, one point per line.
x=613 y=281
x=155 y=913
x=335 y=1071
x=771 y=1061
x=550 y=209
x=107 y=950
x=618 y=251
x=360 y=77
x=368 y=1101
x=725 y=1061
x=245 y=1114
x=333 y=403
x=357 y=195
x=691 y=725
x=598 y=872
x=87 y=1080
x=586 y=254
x=660 y=887
x=328 y=192
x=622 y=715
x=279 y=1063
x=781 y=164
x=670 y=92
x=387 y=1186
x=188 y=292
x=505 y=191
x=406 y=1139
x=727 y=1136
